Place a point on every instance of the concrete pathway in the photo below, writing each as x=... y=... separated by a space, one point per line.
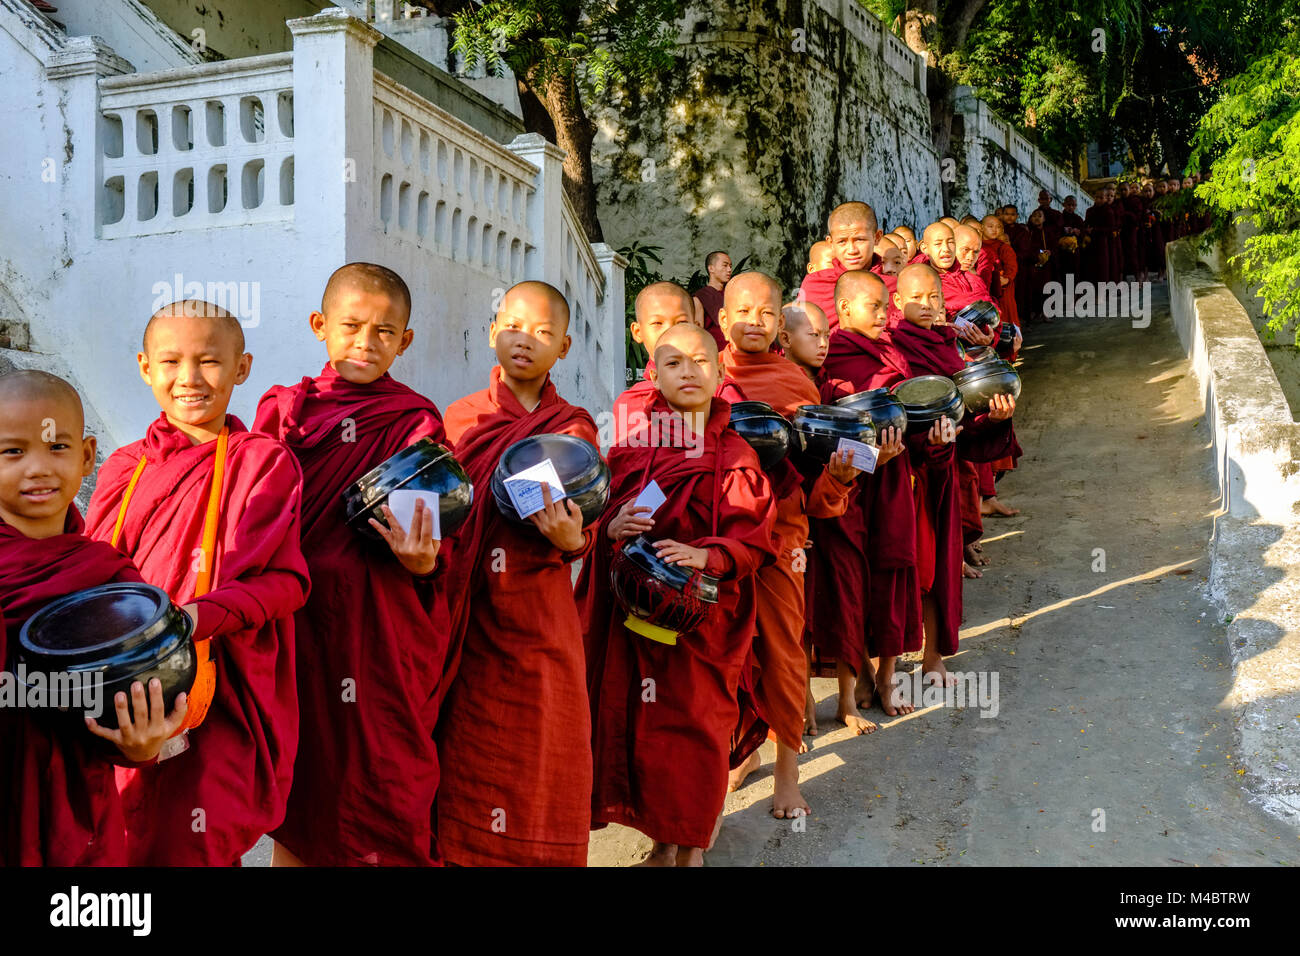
x=1111 y=684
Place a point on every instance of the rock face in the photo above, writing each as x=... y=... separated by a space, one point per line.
x=773 y=114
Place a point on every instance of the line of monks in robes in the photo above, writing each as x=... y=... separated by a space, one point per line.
x=399 y=699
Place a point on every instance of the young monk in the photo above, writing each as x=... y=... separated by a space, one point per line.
x=928 y=345
x=658 y=306
x=889 y=261
x=521 y=797
x=374 y=631
x=874 y=607
x=663 y=715
x=751 y=318
x=59 y=804
x=717 y=265
x=909 y=241
x=208 y=511
x=820 y=256
x=805 y=336
x=1000 y=249
x=852 y=232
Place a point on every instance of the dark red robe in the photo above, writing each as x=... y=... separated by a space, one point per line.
x=712 y=300
x=239 y=764
x=59 y=804
x=962 y=288
x=662 y=748
x=514 y=734
x=372 y=639
x=890 y=623
x=819 y=289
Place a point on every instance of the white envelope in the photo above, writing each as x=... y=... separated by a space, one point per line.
x=651 y=497
x=864 y=456
x=525 y=487
x=401 y=503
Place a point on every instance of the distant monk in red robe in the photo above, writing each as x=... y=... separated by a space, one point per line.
x=853 y=233
x=1035 y=250
x=820 y=256
x=1155 y=248
x=59 y=804
x=999 y=248
x=1098 y=228
x=928 y=345
x=751 y=318
x=375 y=627
x=521 y=797
x=888 y=614
x=1051 y=217
x=658 y=306
x=663 y=715
x=208 y=511
x=718 y=267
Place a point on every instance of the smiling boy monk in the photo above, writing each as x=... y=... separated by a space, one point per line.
x=59 y=804
x=516 y=791
x=229 y=550
x=373 y=635
x=751 y=319
x=853 y=233
x=928 y=345
x=663 y=715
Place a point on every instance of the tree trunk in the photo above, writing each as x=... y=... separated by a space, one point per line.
x=573 y=132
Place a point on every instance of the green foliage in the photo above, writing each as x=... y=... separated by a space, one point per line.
x=1250 y=139
x=597 y=43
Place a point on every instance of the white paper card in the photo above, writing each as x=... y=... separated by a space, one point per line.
x=401 y=502
x=864 y=456
x=651 y=497
x=525 y=488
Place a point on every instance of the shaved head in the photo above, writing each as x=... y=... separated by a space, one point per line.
x=918 y=273
x=748 y=280
x=891 y=240
x=852 y=212
x=905 y=231
x=366 y=277
x=820 y=256
x=665 y=288
x=969 y=233
x=198 y=310
x=32 y=385
x=536 y=289
x=798 y=314
x=950 y=222
x=936 y=231
x=851 y=283
x=688 y=336
x=992 y=227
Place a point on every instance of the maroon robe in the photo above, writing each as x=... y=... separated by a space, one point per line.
x=513 y=733
x=712 y=300
x=239 y=764
x=366 y=775
x=962 y=288
x=59 y=804
x=662 y=749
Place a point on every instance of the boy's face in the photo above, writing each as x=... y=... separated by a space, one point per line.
x=193 y=366
x=968 y=247
x=364 y=332
x=866 y=310
x=891 y=260
x=938 y=243
x=920 y=299
x=686 y=374
x=530 y=334
x=1160 y=187
x=43 y=458
x=820 y=256
x=720 y=268
x=657 y=312
x=852 y=243
x=1070 y=205
x=909 y=244
x=807 y=340
x=751 y=317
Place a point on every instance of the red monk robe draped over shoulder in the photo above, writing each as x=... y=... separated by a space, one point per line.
x=781 y=687
x=367 y=773
x=632 y=404
x=891 y=617
x=1008 y=267
x=59 y=804
x=514 y=732
x=240 y=761
x=661 y=766
x=961 y=288
x=819 y=288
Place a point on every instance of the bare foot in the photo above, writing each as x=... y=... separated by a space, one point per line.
x=691 y=856
x=975 y=555
x=787 y=801
x=736 y=778
x=848 y=715
x=994 y=508
x=663 y=854
x=810 y=716
x=864 y=684
x=968 y=572
x=892 y=701
x=935 y=674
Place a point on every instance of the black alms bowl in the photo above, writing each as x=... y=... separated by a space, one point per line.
x=980 y=382
x=977 y=353
x=581 y=470
x=927 y=398
x=819 y=428
x=108 y=636
x=884 y=408
x=765 y=429
x=982 y=313
x=1006 y=343
x=423 y=466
